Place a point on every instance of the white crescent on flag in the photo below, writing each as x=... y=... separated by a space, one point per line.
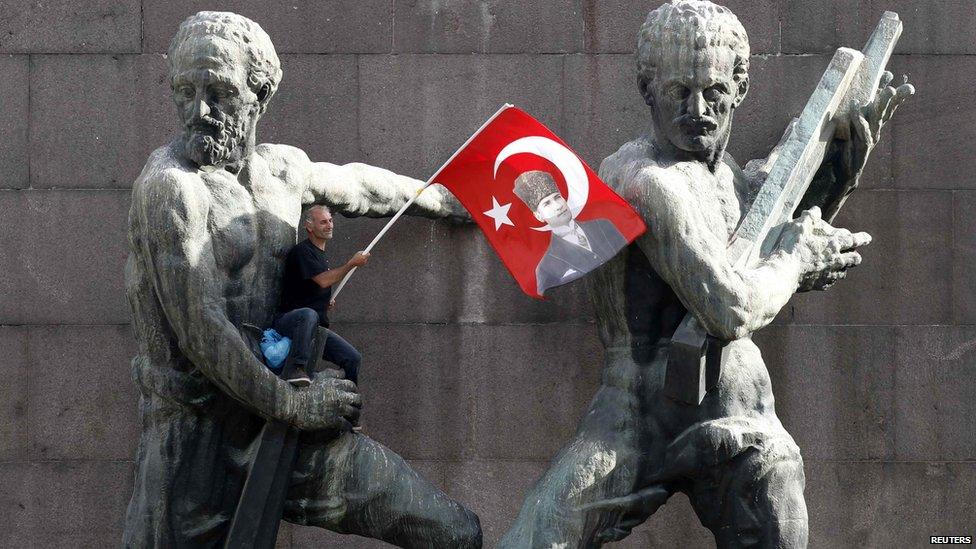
x=578 y=184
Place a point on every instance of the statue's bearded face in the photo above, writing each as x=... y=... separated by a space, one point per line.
x=693 y=95
x=217 y=108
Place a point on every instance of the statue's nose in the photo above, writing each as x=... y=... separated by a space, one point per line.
x=696 y=104
x=200 y=108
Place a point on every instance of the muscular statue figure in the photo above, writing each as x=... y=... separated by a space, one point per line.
x=729 y=454
x=213 y=215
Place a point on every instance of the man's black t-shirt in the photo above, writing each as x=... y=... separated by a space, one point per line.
x=298 y=290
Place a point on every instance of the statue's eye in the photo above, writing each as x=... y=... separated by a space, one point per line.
x=185 y=92
x=224 y=93
x=678 y=92
x=714 y=93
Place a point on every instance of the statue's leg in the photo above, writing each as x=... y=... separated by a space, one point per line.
x=355 y=485
x=756 y=499
x=600 y=463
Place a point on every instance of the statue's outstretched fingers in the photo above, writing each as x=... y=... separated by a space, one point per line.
x=354 y=399
x=860 y=239
x=886 y=78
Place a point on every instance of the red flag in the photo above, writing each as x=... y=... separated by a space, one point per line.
x=548 y=216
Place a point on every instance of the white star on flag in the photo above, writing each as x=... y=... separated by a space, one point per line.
x=499 y=213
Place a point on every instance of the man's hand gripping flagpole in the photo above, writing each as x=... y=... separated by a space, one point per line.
x=410 y=202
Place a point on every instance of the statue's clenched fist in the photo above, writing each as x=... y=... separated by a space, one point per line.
x=825 y=252
x=330 y=402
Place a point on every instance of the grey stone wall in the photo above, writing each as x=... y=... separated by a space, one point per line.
x=476 y=384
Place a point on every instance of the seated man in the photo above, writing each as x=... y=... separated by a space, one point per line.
x=306 y=297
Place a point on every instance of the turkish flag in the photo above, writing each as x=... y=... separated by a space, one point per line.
x=545 y=212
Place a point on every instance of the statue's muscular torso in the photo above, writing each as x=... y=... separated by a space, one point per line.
x=638 y=310
x=251 y=221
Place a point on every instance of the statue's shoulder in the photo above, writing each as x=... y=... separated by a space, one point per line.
x=636 y=171
x=283 y=159
x=168 y=181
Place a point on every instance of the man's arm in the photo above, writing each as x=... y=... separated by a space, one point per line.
x=359 y=189
x=173 y=217
x=730 y=302
x=328 y=278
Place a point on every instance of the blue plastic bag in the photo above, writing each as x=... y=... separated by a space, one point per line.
x=275 y=348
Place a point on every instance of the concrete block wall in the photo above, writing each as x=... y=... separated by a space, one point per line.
x=474 y=383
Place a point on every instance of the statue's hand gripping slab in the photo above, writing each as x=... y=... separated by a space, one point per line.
x=825 y=252
x=330 y=402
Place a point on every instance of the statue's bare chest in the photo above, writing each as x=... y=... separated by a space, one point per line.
x=250 y=227
x=718 y=200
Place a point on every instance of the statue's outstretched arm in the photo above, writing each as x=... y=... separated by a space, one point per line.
x=173 y=215
x=360 y=189
x=730 y=302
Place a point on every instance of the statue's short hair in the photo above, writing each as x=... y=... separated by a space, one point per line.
x=307 y=218
x=263 y=66
x=696 y=23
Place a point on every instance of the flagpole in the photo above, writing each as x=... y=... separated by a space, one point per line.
x=410 y=202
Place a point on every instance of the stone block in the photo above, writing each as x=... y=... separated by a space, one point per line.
x=943 y=27
x=13 y=121
x=821 y=26
x=835 y=388
x=327 y=26
x=82 y=404
x=416 y=110
x=309 y=537
x=64 y=26
x=612 y=25
x=872 y=504
x=532 y=384
x=315 y=108
x=494 y=489
x=13 y=393
x=673 y=525
x=932 y=136
x=905 y=277
x=963 y=257
x=603 y=108
x=418 y=399
x=14 y=500
x=77 y=503
x=63 y=257
x=487 y=26
x=95 y=119
x=935 y=378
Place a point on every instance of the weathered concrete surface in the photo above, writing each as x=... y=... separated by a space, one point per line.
x=13 y=120
x=81 y=417
x=62 y=251
x=13 y=394
x=61 y=261
x=69 y=26
x=321 y=26
x=487 y=26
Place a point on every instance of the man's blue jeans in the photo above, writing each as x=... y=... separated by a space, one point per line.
x=300 y=325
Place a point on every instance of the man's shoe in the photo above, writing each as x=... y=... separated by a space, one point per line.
x=296 y=376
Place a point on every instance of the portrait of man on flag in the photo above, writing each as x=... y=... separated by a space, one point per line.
x=575 y=248
x=544 y=211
